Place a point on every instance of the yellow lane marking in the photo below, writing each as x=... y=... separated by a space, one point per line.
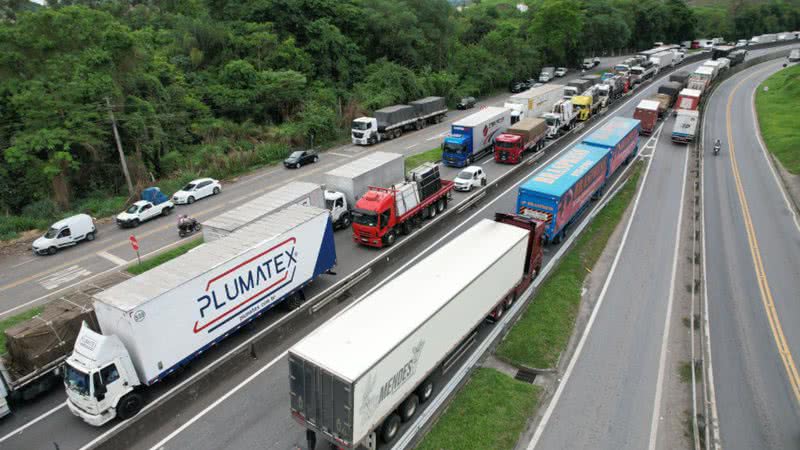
x=761 y=275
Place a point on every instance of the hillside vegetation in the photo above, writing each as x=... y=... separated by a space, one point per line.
x=777 y=116
x=218 y=87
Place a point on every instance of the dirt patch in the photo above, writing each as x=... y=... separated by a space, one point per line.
x=20 y=245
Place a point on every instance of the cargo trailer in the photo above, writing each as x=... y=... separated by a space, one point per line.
x=576 y=87
x=354 y=178
x=671 y=89
x=680 y=76
x=647 y=111
x=685 y=128
x=354 y=379
x=558 y=193
x=472 y=137
x=688 y=99
x=390 y=122
x=157 y=322
x=527 y=134
x=620 y=136
x=533 y=102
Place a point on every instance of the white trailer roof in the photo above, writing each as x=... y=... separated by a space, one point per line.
x=535 y=92
x=480 y=117
x=256 y=208
x=136 y=291
x=704 y=70
x=352 y=342
x=649 y=104
x=363 y=165
x=690 y=92
x=688 y=112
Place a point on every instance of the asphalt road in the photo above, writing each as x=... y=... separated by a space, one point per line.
x=753 y=276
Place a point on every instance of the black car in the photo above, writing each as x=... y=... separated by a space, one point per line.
x=518 y=86
x=466 y=103
x=300 y=158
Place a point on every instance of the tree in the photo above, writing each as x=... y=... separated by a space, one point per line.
x=555 y=26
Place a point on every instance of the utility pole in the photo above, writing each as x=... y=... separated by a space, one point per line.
x=119 y=148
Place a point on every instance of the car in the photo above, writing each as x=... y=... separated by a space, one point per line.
x=466 y=103
x=472 y=176
x=596 y=61
x=741 y=43
x=587 y=64
x=517 y=86
x=794 y=55
x=300 y=158
x=64 y=233
x=195 y=190
x=142 y=211
x=561 y=71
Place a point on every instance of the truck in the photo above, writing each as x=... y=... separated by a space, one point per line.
x=685 y=128
x=191 y=303
x=663 y=59
x=595 y=79
x=153 y=203
x=671 y=89
x=737 y=57
x=610 y=89
x=701 y=78
x=533 y=102
x=352 y=180
x=721 y=51
x=576 y=87
x=680 y=76
x=647 y=112
x=561 y=119
x=390 y=122
x=643 y=72
x=472 y=137
x=557 y=194
x=586 y=104
x=384 y=213
x=354 y=379
x=527 y=134
x=688 y=99
x=663 y=101
x=620 y=136
x=294 y=193
x=719 y=65
x=548 y=73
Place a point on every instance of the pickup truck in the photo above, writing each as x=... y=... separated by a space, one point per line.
x=152 y=205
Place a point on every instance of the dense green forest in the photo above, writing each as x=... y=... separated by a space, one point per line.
x=217 y=87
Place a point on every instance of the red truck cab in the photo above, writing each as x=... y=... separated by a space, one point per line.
x=373 y=217
x=508 y=148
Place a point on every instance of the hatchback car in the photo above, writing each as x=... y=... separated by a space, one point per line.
x=466 y=103
x=195 y=190
x=472 y=176
x=561 y=71
x=300 y=158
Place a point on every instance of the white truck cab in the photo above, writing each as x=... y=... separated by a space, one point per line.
x=336 y=203
x=100 y=379
x=364 y=131
x=64 y=233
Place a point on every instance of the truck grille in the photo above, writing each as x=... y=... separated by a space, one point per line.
x=358 y=134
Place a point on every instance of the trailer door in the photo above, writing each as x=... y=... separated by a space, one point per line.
x=324 y=400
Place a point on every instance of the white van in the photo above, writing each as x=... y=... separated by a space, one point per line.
x=64 y=233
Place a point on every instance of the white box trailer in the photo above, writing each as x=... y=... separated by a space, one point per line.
x=354 y=371
x=377 y=169
x=158 y=321
x=685 y=128
x=294 y=193
x=534 y=102
x=664 y=59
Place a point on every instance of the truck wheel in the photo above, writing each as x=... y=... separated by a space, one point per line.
x=425 y=391
x=52 y=250
x=345 y=220
x=497 y=314
x=405 y=228
x=440 y=205
x=190 y=200
x=372 y=140
x=509 y=301
x=390 y=428
x=90 y=236
x=390 y=238
x=431 y=211
x=295 y=300
x=409 y=407
x=129 y=405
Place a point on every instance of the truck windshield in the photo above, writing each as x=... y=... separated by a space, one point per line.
x=51 y=233
x=637 y=71
x=450 y=147
x=366 y=218
x=76 y=380
x=500 y=144
x=550 y=121
x=360 y=125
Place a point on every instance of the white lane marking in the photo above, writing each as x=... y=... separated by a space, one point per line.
x=208 y=408
x=339 y=154
x=23 y=262
x=769 y=159
x=438 y=136
x=32 y=422
x=412 y=146
x=662 y=360
x=114 y=259
x=585 y=336
x=56 y=279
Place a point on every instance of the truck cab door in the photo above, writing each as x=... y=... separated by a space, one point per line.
x=112 y=386
x=384 y=220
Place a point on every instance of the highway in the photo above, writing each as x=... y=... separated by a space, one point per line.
x=752 y=264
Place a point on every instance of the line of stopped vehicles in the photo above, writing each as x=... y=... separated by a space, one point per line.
x=356 y=378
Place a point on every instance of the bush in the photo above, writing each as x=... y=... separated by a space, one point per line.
x=41 y=209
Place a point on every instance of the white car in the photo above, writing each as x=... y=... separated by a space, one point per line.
x=561 y=71
x=472 y=176
x=195 y=190
x=64 y=233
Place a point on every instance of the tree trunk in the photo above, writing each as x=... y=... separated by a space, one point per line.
x=60 y=184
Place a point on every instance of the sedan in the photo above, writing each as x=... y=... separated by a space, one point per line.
x=197 y=189
x=300 y=158
x=561 y=71
x=466 y=103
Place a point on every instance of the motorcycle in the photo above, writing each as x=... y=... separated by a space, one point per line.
x=716 y=149
x=188 y=226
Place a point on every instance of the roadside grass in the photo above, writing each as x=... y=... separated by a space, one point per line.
x=432 y=155
x=777 y=115
x=10 y=321
x=489 y=413
x=157 y=260
x=40 y=215
x=543 y=331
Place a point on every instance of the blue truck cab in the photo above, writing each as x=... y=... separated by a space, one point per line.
x=473 y=136
x=457 y=149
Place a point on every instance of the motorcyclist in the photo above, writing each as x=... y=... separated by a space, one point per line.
x=185 y=221
x=717 y=146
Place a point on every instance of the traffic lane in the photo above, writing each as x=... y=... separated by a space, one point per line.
x=754 y=400
x=608 y=399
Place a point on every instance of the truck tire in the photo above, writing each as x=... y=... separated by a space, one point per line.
x=440 y=205
x=390 y=238
x=405 y=228
x=372 y=140
x=295 y=300
x=425 y=391
x=129 y=405
x=409 y=407
x=390 y=428
x=344 y=221
x=497 y=314
x=432 y=211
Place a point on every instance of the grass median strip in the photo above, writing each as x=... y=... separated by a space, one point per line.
x=157 y=260
x=9 y=322
x=777 y=116
x=434 y=154
x=489 y=413
x=542 y=333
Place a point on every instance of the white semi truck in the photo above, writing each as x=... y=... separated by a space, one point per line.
x=157 y=322
x=561 y=119
x=358 y=376
x=392 y=121
x=533 y=102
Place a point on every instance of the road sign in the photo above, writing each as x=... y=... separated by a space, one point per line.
x=134 y=243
